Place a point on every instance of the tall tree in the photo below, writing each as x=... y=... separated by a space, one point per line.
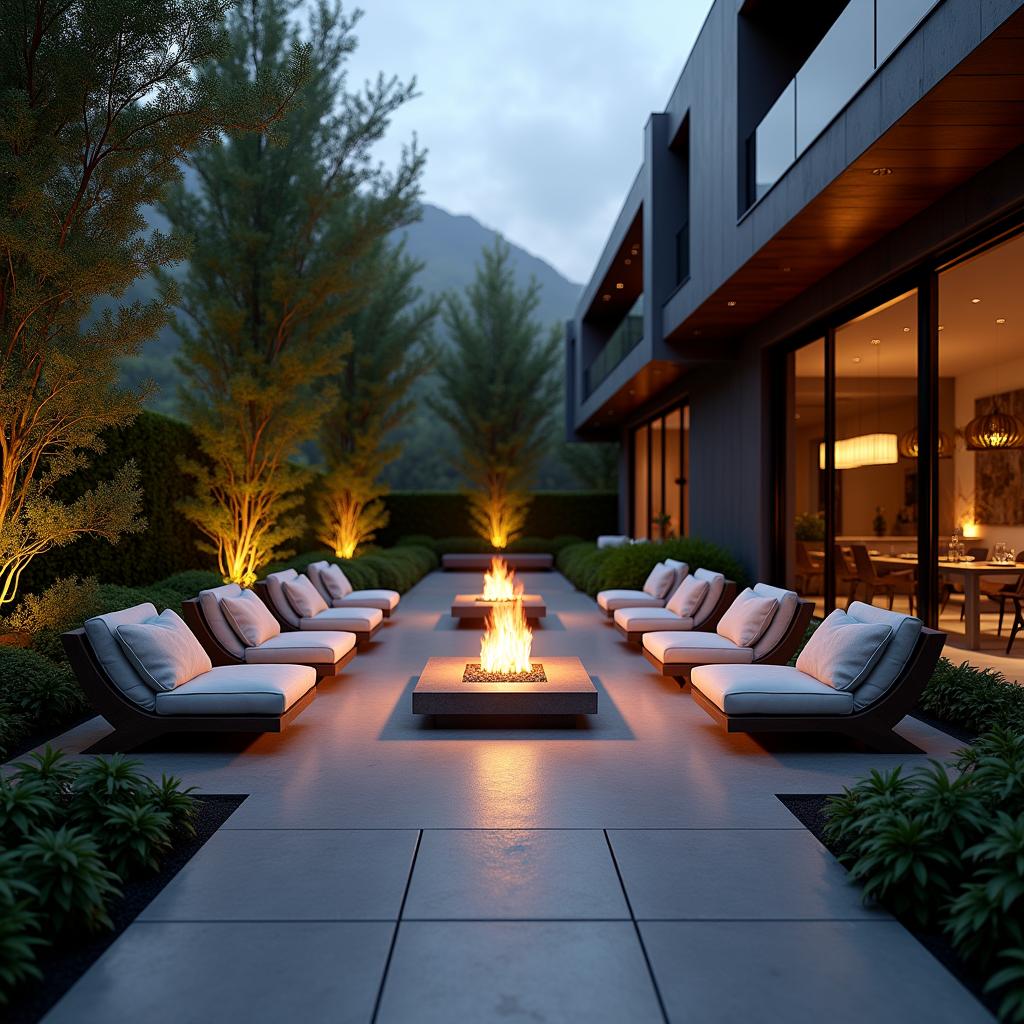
x=499 y=392
x=99 y=103
x=273 y=277
x=391 y=341
x=594 y=464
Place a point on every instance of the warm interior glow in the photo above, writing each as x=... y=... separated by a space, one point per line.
x=970 y=528
x=500 y=583
x=507 y=639
x=863 y=450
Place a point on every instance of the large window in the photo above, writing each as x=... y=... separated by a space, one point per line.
x=660 y=465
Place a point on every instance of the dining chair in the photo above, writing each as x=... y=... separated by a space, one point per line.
x=1018 y=619
x=1000 y=592
x=808 y=571
x=890 y=584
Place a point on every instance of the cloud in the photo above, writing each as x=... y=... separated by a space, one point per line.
x=532 y=112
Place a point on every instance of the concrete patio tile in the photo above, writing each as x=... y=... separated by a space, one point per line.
x=802 y=972
x=291 y=875
x=590 y=971
x=733 y=873
x=176 y=973
x=515 y=874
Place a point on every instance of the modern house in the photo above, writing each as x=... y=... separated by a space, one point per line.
x=807 y=326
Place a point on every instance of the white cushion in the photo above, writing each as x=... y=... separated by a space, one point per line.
x=688 y=597
x=789 y=605
x=250 y=618
x=275 y=582
x=906 y=629
x=384 y=599
x=716 y=584
x=321 y=648
x=676 y=647
x=747 y=618
x=609 y=600
x=100 y=631
x=164 y=651
x=361 y=619
x=304 y=598
x=768 y=690
x=643 y=620
x=612 y=540
x=216 y=621
x=239 y=690
x=329 y=579
x=659 y=581
x=842 y=651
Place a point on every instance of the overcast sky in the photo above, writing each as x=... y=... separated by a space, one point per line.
x=533 y=111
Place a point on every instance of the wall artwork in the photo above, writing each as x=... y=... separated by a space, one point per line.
x=999 y=475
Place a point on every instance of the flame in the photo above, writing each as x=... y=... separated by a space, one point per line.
x=500 y=582
x=507 y=639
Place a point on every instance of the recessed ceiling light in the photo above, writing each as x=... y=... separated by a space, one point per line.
x=606 y=297
x=619 y=285
x=881 y=172
x=856 y=359
x=941 y=327
x=786 y=270
x=1000 y=319
x=731 y=302
x=975 y=300
x=876 y=341
x=906 y=330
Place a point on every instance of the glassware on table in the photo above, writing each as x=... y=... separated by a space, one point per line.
x=999 y=552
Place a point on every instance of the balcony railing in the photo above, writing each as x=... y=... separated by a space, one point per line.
x=856 y=45
x=622 y=341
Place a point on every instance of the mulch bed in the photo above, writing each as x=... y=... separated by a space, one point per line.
x=810 y=810
x=63 y=966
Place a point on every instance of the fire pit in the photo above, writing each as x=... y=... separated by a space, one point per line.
x=500 y=584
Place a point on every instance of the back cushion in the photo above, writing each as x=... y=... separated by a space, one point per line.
x=164 y=651
x=304 y=597
x=688 y=597
x=789 y=605
x=716 y=584
x=250 y=618
x=681 y=570
x=906 y=629
x=660 y=581
x=100 y=630
x=210 y=602
x=747 y=618
x=336 y=582
x=842 y=651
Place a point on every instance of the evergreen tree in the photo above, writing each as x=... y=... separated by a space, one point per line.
x=499 y=392
x=274 y=273
x=391 y=341
x=99 y=103
x=595 y=465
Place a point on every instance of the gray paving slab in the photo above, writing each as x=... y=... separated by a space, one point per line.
x=176 y=973
x=291 y=875
x=802 y=972
x=590 y=971
x=515 y=874
x=733 y=873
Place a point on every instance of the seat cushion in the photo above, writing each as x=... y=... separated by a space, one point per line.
x=688 y=597
x=676 y=647
x=906 y=629
x=768 y=690
x=659 y=581
x=305 y=599
x=250 y=618
x=100 y=631
x=643 y=620
x=320 y=648
x=163 y=650
x=384 y=599
x=239 y=690
x=842 y=651
x=747 y=618
x=609 y=600
x=345 y=618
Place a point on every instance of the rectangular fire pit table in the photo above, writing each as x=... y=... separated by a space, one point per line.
x=469 y=607
x=566 y=692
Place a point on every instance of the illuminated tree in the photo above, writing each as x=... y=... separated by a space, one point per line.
x=392 y=347
x=273 y=276
x=499 y=392
x=99 y=103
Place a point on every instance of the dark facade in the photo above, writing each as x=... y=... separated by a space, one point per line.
x=813 y=162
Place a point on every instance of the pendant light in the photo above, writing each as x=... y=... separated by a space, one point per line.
x=994 y=431
x=910 y=448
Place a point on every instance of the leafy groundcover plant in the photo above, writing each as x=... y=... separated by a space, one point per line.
x=942 y=848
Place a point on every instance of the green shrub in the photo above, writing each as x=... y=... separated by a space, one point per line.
x=627 y=567
x=946 y=851
x=43 y=692
x=53 y=769
x=103 y=782
x=581 y=564
x=190 y=582
x=13 y=729
x=134 y=837
x=24 y=807
x=20 y=926
x=176 y=802
x=976 y=699
x=64 y=604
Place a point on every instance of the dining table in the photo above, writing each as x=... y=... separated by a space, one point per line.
x=969 y=574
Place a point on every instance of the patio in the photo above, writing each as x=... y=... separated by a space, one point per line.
x=639 y=869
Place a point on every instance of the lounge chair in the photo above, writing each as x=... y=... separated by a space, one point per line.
x=230 y=698
x=763 y=626
x=867 y=702
x=233 y=635
x=306 y=608
x=718 y=594
x=656 y=591
x=336 y=590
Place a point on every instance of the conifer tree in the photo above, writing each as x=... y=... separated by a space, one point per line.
x=99 y=103
x=391 y=340
x=499 y=392
x=278 y=238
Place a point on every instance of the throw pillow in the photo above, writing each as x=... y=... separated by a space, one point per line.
x=660 y=581
x=747 y=618
x=304 y=598
x=842 y=651
x=688 y=597
x=164 y=651
x=336 y=582
x=250 y=618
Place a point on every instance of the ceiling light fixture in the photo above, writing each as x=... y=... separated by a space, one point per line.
x=1000 y=319
x=910 y=448
x=876 y=341
x=975 y=300
x=906 y=330
x=856 y=359
x=628 y=261
x=994 y=431
x=731 y=302
x=881 y=172
x=941 y=328
x=619 y=286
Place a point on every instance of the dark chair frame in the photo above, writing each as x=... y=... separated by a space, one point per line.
x=778 y=655
x=706 y=625
x=363 y=636
x=1018 y=619
x=872 y=725
x=195 y=619
x=134 y=724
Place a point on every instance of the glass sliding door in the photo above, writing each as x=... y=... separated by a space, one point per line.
x=660 y=457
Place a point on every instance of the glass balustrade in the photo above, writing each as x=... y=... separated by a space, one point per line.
x=620 y=343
